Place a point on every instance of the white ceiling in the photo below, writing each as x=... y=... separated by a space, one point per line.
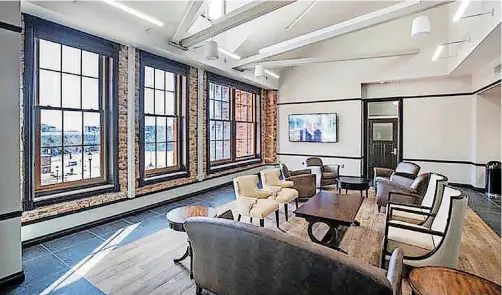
x=247 y=39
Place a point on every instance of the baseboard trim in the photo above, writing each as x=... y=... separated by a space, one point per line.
x=321 y=156
x=465 y=185
x=13 y=279
x=445 y=162
x=88 y=225
x=10 y=215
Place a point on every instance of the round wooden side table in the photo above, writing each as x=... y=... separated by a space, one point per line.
x=177 y=218
x=433 y=280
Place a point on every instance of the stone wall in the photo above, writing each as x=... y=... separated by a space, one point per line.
x=268 y=128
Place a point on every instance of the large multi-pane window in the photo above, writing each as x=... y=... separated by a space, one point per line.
x=163 y=105
x=233 y=118
x=68 y=114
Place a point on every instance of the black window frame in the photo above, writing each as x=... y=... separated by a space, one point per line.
x=35 y=29
x=181 y=107
x=217 y=166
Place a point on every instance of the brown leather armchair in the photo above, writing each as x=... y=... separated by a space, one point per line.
x=404 y=174
x=304 y=181
x=330 y=173
x=390 y=190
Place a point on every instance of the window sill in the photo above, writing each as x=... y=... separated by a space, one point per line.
x=223 y=167
x=72 y=194
x=164 y=177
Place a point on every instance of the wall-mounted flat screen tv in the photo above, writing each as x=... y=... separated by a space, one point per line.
x=321 y=127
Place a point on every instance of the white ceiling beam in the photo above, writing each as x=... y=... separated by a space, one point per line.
x=193 y=10
x=233 y=19
x=364 y=21
x=297 y=62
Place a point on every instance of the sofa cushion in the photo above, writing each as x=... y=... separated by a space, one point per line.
x=286 y=195
x=328 y=175
x=263 y=208
x=412 y=243
x=420 y=183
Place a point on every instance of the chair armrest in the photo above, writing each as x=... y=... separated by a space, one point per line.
x=404 y=198
x=402 y=180
x=266 y=192
x=404 y=174
x=300 y=172
x=382 y=172
x=245 y=204
x=391 y=209
x=333 y=168
x=412 y=207
x=415 y=229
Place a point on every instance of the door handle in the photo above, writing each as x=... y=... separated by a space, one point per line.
x=394 y=151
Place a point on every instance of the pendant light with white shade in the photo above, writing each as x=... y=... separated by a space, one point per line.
x=421 y=25
x=259 y=71
x=211 y=50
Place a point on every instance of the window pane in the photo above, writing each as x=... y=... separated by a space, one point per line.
x=50 y=55
x=72 y=163
x=237 y=112
x=49 y=88
x=383 y=131
x=72 y=128
x=169 y=81
x=219 y=130
x=219 y=150
x=159 y=79
x=92 y=161
x=226 y=149
x=217 y=92
x=227 y=130
x=244 y=113
x=170 y=103
x=212 y=150
x=149 y=156
x=159 y=102
x=90 y=64
x=161 y=129
x=171 y=129
x=148 y=103
x=148 y=77
x=211 y=109
x=217 y=109
x=90 y=93
x=71 y=91
x=211 y=91
x=241 y=138
x=71 y=60
x=250 y=139
x=225 y=94
x=250 y=113
x=161 y=155
x=50 y=128
x=92 y=130
x=149 y=129
x=171 y=154
x=50 y=166
x=212 y=130
x=225 y=114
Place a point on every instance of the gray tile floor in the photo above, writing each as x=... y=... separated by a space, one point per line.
x=45 y=264
x=488 y=208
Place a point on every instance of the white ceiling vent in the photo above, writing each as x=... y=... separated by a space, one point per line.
x=496 y=71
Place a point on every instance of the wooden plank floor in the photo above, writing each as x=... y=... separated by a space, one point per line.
x=146 y=267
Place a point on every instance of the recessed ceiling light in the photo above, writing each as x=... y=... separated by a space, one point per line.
x=438 y=51
x=232 y=55
x=134 y=12
x=272 y=74
x=460 y=11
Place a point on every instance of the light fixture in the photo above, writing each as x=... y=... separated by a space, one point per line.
x=232 y=55
x=272 y=74
x=301 y=15
x=259 y=71
x=382 y=82
x=438 y=51
x=420 y=26
x=395 y=102
x=460 y=11
x=211 y=50
x=134 y=12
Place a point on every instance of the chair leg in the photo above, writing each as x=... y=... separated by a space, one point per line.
x=277 y=217
x=286 y=211
x=251 y=219
x=198 y=290
x=296 y=202
x=378 y=206
x=262 y=222
x=239 y=217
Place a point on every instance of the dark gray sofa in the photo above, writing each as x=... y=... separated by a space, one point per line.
x=232 y=258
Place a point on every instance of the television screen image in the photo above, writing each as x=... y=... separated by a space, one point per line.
x=313 y=127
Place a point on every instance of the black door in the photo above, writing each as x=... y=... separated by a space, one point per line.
x=382 y=144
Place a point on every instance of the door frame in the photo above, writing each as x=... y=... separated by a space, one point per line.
x=365 y=133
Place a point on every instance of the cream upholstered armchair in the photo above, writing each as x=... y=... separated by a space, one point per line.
x=284 y=194
x=254 y=202
x=437 y=244
x=430 y=203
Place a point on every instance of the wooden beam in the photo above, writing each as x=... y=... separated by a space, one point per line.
x=192 y=12
x=297 y=62
x=233 y=19
x=365 y=21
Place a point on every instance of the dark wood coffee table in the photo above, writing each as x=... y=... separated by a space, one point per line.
x=353 y=183
x=433 y=280
x=177 y=218
x=332 y=209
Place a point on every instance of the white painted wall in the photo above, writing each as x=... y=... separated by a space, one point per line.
x=10 y=229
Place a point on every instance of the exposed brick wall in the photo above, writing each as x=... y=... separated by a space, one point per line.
x=269 y=131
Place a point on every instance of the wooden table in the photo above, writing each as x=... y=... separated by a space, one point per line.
x=433 y=280
x=177 y=218
x=332 y=209
x=353 y=183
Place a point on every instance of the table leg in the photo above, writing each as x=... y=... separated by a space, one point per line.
x=361 y=193
x=346 y=191
x=187 y=253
